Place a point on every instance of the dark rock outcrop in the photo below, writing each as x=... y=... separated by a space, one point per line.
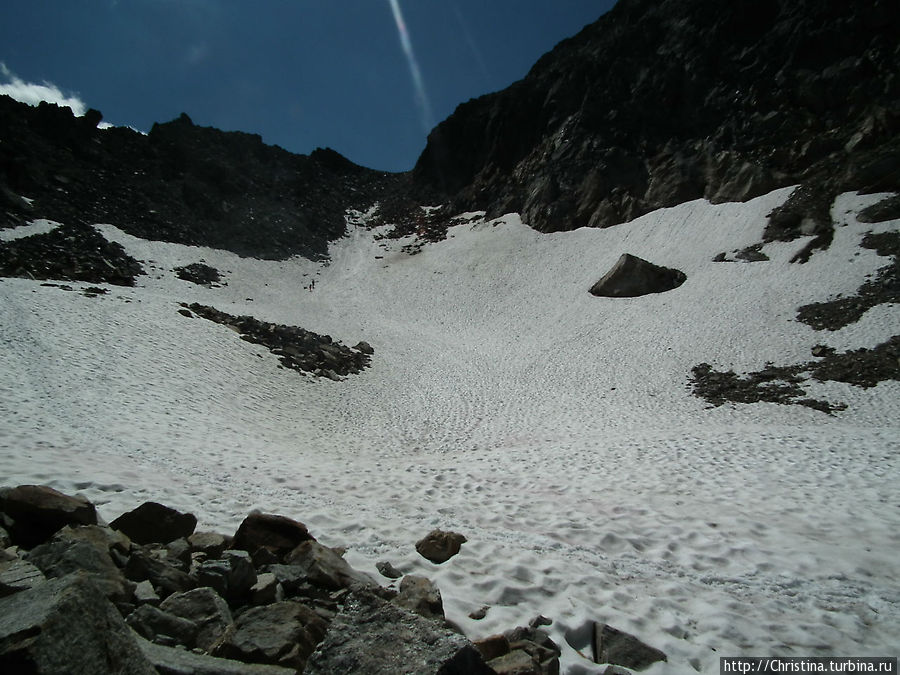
x=181 y=182
x=296 y=348
x=617 y=647
x=74 y=252
x=273 y=534
x=200 y=274
x=657 y=103
x=632 y=277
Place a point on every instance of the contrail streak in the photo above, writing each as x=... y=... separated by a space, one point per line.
x=418 y=82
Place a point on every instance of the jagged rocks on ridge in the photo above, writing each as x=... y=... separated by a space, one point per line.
x=632 y=277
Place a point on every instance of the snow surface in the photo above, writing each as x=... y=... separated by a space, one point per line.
x=556 y=430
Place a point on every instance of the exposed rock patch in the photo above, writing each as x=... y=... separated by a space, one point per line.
x=883 y=288
x=785 y=384
x=71 y=252
x=200 y=274
x=439 y=546
x=298 y=349
x=886 y=209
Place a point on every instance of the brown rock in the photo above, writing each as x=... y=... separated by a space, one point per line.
x=439 y=546
x=39 y=511
x=276 y=535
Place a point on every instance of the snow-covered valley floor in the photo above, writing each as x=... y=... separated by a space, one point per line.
x=556 y=430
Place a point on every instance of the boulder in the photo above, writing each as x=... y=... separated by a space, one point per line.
x=18 y=575
x=171 y=661
x=233 y=575
x=158 y=625
x=205 y=609
x=152 y=523
x=325 y=568
x=372 y=636
x=439 y=546
x=617 y=647
x=632 y=277
x=266 y=590
x=159 y=570
x=276 y=535
x=284 y=634
x=38 y=511
x=69 y=552
x=210 y=543
x=387 y=570
x=66 y=625
x=419 y=595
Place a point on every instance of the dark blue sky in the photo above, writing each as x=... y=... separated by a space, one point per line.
x=302 y=73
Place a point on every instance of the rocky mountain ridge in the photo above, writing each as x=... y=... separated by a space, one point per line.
x=658 y=103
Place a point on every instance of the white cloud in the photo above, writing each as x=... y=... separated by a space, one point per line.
x=32 y=93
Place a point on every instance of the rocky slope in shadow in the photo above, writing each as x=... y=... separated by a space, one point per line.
x=180 y=183
x=661 y=102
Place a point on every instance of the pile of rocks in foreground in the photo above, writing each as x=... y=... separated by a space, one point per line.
x=149 y=594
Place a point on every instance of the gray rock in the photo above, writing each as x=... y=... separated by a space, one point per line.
x=439 y=546
x=145 y=594
x=632 y=277
x=266 y=590
x=544 y=653
x=419 y=595
x=325 y=568
x=623 y=649
x=277 y=535
x=387 y=570
x=152 y=523
x=516 y=662
x=284 y=633
x=206 y=609
x=232 y=576
x=65 y=554
x=18 y=575
x=153 y=623
x=210 y=543
x=374 y=637
x=166 y=578
x=364 y=347
x=170 y=661
x=38 y=511
x=67 y=626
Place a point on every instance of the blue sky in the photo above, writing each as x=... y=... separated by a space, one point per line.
x=302 y=73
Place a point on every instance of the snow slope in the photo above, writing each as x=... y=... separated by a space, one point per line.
x=556 y=430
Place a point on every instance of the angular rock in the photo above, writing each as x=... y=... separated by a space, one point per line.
x=387 y=570
x=284 y=634
x=206 y=609
x=439 y=546
x=617 y=647
x=210 y=543
x=492 y=646
x=516 y=662
x=632 y=277
x=165 y=577
x=266 y=590
x=18 y=575
x=66 y=626
x=419 y=595
x=375 y=637
x=145 y=594
x=544 y=652
x=69 y=552
x=153 y=623
x=325 y=568
x=171 y=661
x=152 y=523
x=39 y=511
x=232 y=576
x=277 y=535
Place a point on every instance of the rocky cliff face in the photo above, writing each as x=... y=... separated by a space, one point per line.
x=180 y=183
x=663 y=101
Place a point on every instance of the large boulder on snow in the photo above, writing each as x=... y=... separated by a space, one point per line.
x=632 y=276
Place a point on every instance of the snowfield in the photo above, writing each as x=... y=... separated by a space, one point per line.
x=554 y=429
